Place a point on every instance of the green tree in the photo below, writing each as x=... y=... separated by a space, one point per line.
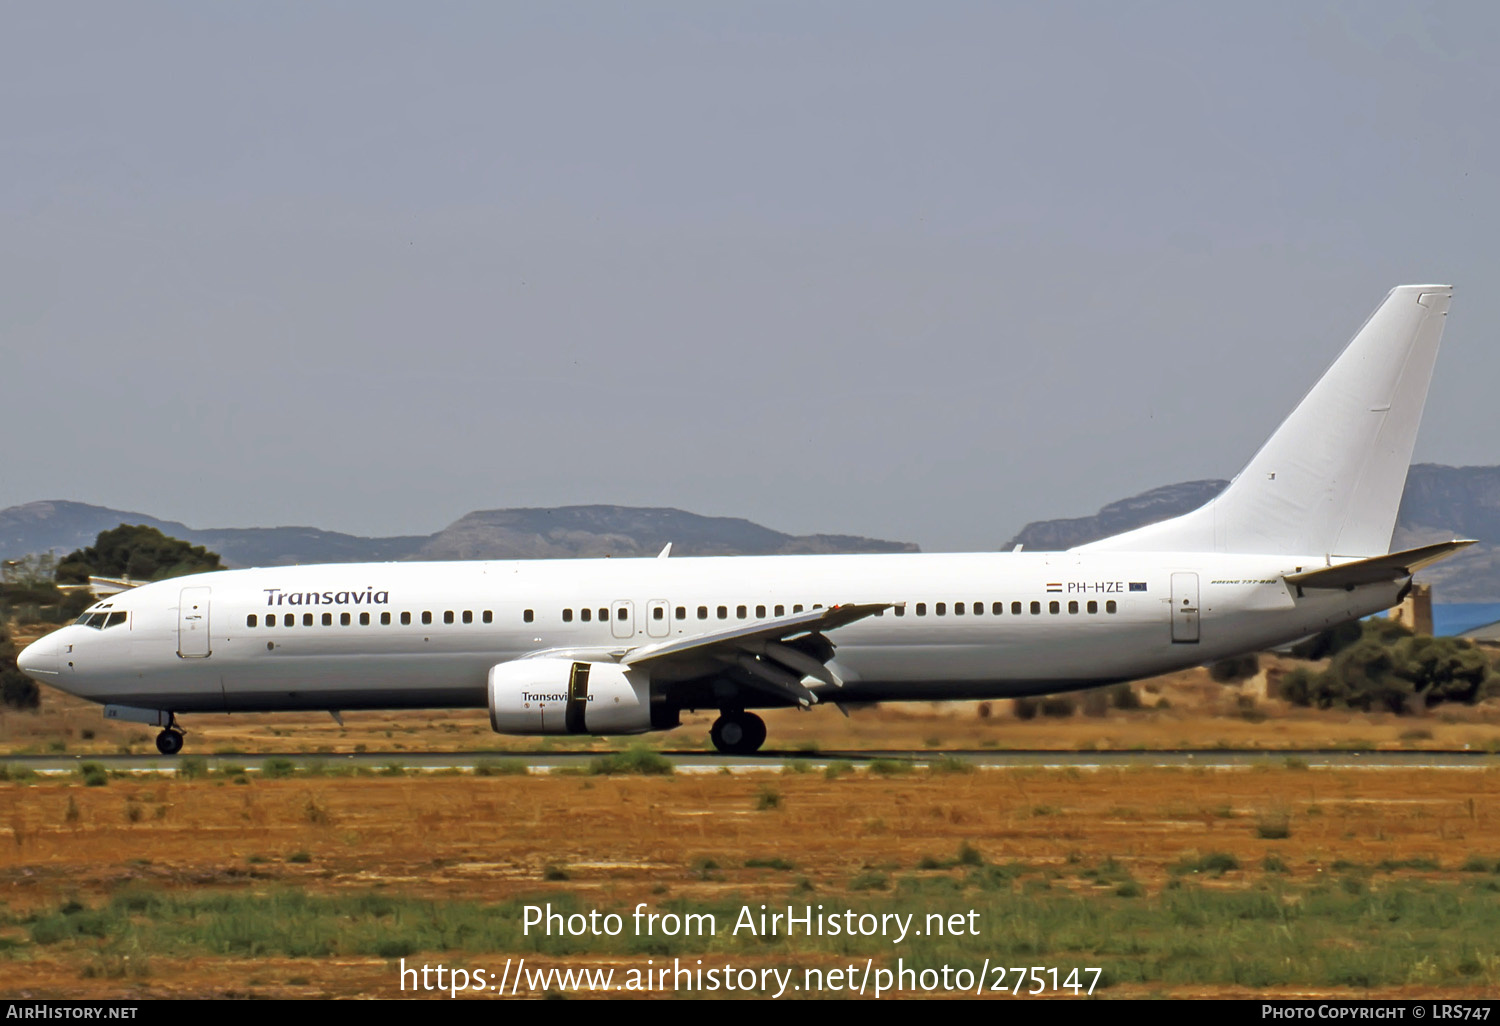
x=140 y=552
x=1389 y=669
x=16 y=689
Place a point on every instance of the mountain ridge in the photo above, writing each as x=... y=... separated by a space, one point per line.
x=61 y=526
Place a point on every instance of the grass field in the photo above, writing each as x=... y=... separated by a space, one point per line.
x=1271 y=880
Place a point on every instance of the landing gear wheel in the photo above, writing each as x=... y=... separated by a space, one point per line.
x=738 y=733
x=169 y=741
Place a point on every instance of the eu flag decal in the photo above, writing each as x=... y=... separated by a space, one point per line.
x=1137 y=585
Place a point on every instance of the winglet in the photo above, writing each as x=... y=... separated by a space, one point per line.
x=665 y=552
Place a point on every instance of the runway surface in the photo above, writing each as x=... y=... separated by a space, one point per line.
x=711 y=762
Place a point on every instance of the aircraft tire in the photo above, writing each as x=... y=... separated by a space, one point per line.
x=169 y=742
x=738 y=733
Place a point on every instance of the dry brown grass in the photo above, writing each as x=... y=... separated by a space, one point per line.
x=624 y=840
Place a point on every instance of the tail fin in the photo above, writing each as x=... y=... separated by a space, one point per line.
x=1329 y=481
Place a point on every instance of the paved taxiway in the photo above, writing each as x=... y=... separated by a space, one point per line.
x=709 y=762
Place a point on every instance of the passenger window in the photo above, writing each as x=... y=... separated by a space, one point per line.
x=901 y=610
x=405 y=619
x=1036 y=609
x=1093 y=607
x=942 y=608
x=567 y=616
x=289 y=620
x=95 y=619
x=703 y=612
x=345 y=620
x=797 y=609
x=958 y=609
x=307 y=619
x=921 y=608
x=997 y=608
x=528 y=616
x=468 y=616
x=1109 y=607
x=250 y=621
x=489 y=617
x=327 y=619
x=385 y=619
x=723 y=612
x=603 y=614
x=682 y=612
x=427 y=616
x=1054 y=607
x=585 y=615
x=622 y=613
x=781 y=610
x=1072 y=607
x=448 y=616
x=760 y=612
x=364 y=619
x=658 y=613
x=741 y=612
x=1015 y=609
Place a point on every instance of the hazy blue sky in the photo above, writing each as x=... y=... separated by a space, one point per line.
x=919 y=271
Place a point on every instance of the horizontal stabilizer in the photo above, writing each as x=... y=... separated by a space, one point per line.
x=1377 y=569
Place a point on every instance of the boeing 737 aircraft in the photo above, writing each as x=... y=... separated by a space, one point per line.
x=1297 y=542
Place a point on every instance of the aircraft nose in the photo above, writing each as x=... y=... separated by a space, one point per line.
x=38 y=660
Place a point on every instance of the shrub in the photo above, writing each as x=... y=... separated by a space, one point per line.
x=767 y=798
x=94 y=775
x=501 y=768
x=1057 y=706
x=274 y=769
x=1235 y=668
x=637 y=759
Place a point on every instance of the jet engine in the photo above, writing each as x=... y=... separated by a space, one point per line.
x=564 y=696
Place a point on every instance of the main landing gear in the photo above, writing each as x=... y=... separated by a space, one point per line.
x=169 y=741
x=737 y=732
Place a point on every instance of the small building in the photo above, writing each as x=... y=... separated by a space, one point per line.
x=1415 y=611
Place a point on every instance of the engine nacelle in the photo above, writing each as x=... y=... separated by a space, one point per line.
x=566 y=696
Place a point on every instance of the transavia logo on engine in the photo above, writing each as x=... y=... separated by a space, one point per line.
x=532 y=696
x=367 y=597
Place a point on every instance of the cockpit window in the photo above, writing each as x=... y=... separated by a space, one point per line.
x=100 y=619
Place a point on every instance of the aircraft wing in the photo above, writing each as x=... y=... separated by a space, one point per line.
x=773 y=655
x=1376 y=569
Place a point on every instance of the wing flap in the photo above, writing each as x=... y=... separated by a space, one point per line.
x=745 y=637
x=1376 y=569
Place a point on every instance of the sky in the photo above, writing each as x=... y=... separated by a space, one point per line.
x=923 y=272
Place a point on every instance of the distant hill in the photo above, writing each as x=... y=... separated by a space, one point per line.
x=569 y=531
x=1440 y=502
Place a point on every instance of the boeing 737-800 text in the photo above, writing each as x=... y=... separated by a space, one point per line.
x=1297 y=542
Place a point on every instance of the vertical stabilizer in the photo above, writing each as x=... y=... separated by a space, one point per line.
x=1329 y=481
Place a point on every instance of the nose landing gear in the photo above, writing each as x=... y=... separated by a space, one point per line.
x=737 y=732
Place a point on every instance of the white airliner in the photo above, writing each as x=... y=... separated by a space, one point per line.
x=1297 y=542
